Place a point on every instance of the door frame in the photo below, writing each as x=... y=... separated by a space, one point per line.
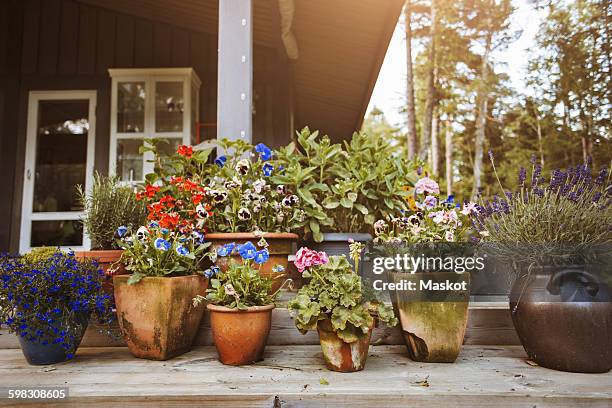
x=27 y=215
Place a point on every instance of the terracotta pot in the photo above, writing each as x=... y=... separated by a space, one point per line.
x=339 y=355
x=563 y=318
x=156 y=315
x=281 y=245
x=109 y=263
x=240 y=335
x=433 y=322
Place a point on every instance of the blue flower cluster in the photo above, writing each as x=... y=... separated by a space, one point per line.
x=49 y=300
x=247 y=251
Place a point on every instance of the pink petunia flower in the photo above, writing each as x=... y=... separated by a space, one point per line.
x=306 y=258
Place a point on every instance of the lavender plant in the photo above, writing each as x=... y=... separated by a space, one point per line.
x=555 y=220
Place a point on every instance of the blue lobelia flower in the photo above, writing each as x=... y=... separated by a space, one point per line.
x=181 y=250
x=247 y=251
x=226 y=249
x=220 y=161
x=161 y=244
x=121 y=231
x=154 y=224
x=268 y=169
x=262 y=256
x=198 y=237
x=264 y=152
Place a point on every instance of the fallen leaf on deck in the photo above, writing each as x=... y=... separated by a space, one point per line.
x=323 y=381
x=532 y=363
x=48 y=369
x=423 y=383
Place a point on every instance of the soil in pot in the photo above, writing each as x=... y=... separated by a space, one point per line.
x=157 y=316
x=46 y=354
x=281 y=245
x=559 y=332
x=433 y=322
x=240 y=335
x=339 y=355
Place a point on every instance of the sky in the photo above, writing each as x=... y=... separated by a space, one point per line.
x=389 y=91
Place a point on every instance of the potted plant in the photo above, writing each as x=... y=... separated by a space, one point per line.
x=555 y=233
x=333 y=302
x=240 y=302
x=233 y=200
x=344 y=188
x=433 y=322
x=154 y=304
x=108 y=206
x=47 y=298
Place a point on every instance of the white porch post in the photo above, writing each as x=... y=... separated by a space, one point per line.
x=235 y=70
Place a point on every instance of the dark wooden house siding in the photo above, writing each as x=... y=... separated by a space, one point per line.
x=64 y=44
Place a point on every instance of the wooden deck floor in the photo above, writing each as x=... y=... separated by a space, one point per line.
x=290 y=376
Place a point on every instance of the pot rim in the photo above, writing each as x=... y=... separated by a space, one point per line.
x=345 y=236
x=126 y=277
x=251 y=309
x=250 y=235
x=100 y=252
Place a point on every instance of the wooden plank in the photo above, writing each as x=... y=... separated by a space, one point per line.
x=485 y=327
x=31 y=19
x=482 y=377
x=68 y=38
x=143 y=48
x=124 y=48
x=162 y=44
x=5 y=15
x=106 y=32
x=180 y=48
x=49 y=37
x=87 y=40
x=235 y=71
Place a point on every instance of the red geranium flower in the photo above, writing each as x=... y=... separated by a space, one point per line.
x=186 y=151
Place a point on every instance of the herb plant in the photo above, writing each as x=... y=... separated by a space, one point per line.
x=48 y=296
x=241 y=285
x=157 y=251
x=108 y=206
x=334 y=292
x=559 y=218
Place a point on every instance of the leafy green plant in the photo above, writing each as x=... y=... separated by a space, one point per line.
x=108 y=206
x=345 y=188
x=156 y=251
x=241 y=285
x=334 y=292
x=47 y=297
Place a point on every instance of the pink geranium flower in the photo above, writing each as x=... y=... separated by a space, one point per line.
x=306 y=258
x=427 y=185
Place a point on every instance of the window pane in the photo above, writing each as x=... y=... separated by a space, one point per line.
x=61 y=154
x=129 y=160
x=130 y=107
x=54 y=233
x=169 y=107
x=167 y=149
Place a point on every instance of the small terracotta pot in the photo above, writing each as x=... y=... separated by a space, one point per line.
x=281 y=245
x=156 y=315
x=433 y=322
x=109 y=263
x=240 y=335
x=339 y=355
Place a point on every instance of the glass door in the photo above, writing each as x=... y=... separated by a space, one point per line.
x=59 y=156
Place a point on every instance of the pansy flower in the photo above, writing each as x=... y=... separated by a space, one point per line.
x=247 y=250
x=244 y=214
x=121 y=231
x=181 y=250
x=262 y=256
x=264 y=152
x=267 y=169
x=162 y=245
x=220 y=161
x=226 y=249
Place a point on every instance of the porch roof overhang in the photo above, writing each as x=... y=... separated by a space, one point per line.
x=341 y=45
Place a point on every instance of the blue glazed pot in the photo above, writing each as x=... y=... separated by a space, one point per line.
x=41 y=354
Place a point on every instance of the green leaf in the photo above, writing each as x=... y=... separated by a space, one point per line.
x=346 y=203
x=352 y=196
x=362 y=208
x=331 y=204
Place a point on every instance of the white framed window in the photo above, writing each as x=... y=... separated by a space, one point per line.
x=60 y=144
x=150 y=103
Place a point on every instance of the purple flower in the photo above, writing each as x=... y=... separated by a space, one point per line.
x=430 y=202
x=522 y=176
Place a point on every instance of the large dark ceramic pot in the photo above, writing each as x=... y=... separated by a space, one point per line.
x=47 y=354
x=563 y=317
